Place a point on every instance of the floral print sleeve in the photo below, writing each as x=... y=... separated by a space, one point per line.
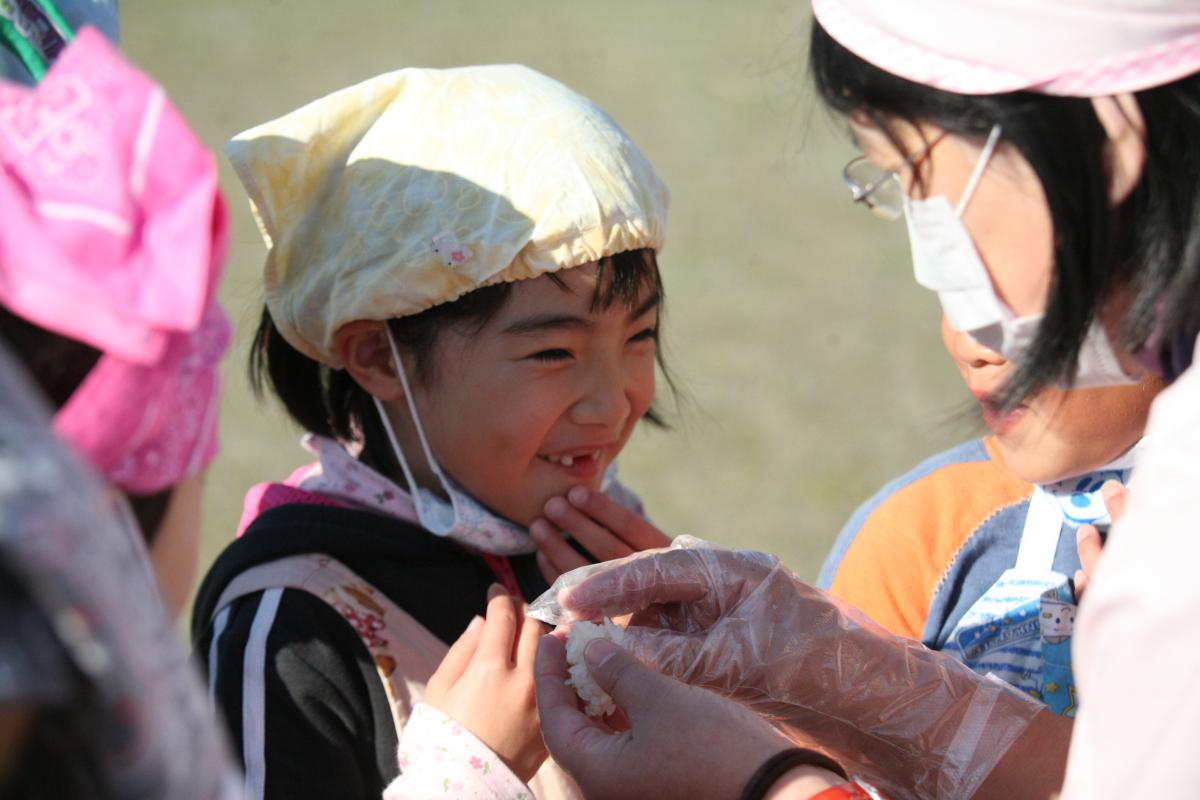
x=440 y=758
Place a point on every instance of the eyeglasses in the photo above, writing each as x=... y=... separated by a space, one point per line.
x=880 y=190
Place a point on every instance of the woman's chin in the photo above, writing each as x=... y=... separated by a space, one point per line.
x=1036 y=465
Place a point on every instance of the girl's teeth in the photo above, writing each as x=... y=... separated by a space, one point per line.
x=569 y=461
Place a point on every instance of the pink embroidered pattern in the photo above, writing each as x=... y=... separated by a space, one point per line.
x=367 y=625
x=114 y=235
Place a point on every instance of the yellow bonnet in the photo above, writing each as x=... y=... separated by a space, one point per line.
x=415 y=187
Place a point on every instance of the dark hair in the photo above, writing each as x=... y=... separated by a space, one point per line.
x=328 y=402
x=58 y=365
x=1149 y=244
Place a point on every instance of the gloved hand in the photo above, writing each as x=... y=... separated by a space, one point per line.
x=913 y=721
x=679 y=741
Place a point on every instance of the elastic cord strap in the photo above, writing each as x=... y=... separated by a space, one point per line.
x=977 y=175
x=412 y=409
x=774 y=768
x=387 y=426
x=501 y=567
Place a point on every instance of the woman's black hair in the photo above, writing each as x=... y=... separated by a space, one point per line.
x=328 y=402
x=1149 y=244
x=58 y=365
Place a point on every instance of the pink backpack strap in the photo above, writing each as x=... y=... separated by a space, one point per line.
x=263 y=497
x=405 y=652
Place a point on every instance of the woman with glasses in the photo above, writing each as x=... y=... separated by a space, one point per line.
x=984 y=550
x=1070 y=130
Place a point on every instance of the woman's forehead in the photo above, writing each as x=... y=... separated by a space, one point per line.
x=896 y=138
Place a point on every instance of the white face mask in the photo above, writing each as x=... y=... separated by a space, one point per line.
x=462 y=518
x=946 y=261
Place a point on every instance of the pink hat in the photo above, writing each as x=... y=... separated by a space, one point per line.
x=113 y=234
x=1078 y=48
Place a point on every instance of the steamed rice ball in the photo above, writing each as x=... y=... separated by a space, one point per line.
x=596 y=701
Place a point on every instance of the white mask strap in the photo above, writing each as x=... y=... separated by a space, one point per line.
x=412 y=409
x=984 y=157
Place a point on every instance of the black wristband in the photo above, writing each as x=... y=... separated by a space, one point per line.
x=774 y=767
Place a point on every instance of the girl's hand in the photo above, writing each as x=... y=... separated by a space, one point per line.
x=1087 y=538
x=485 y=683
x=604 y=528
x=682 y=741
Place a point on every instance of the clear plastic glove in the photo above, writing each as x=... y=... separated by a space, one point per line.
x=678 y=741
x=915 y=722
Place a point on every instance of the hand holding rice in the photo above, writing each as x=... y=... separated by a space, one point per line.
x=597 y=701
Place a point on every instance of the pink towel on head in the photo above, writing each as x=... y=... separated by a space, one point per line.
x=113 y=234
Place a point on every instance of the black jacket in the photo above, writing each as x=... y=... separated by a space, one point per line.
x=327 y=729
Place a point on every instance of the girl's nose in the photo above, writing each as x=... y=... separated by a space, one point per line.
x=967 y=352
x=604 y=403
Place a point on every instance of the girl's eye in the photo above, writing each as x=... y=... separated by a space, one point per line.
x=557 y=354
x=648 y=335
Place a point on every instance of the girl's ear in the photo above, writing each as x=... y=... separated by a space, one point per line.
x=1126 y=151
x=363 y=348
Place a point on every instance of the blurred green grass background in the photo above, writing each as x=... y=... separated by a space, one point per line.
x=810 y=359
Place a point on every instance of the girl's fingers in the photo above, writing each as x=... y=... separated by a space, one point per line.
x=1087 y=539
x=560 y=555
x=601 y=542
x=503 y=616
x=1114 y=494
x=546 y=567
x=527 y=643
x=455 y=662
x=629 y=526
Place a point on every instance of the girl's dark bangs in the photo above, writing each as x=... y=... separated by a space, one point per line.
x=625 y=278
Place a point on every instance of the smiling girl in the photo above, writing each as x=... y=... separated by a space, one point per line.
x=462 y=310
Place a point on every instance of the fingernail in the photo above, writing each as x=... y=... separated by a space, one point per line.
x=539 y=530
x=1083 y=532
x=578 y=495
x=476 y=621
x=496 y=590
x=546 y=645
x=1110 y=488
x=556 y=506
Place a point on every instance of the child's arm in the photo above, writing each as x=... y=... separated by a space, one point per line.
x=603 y=527
x=904 y=545
x=880 y=565
x=477 y=735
